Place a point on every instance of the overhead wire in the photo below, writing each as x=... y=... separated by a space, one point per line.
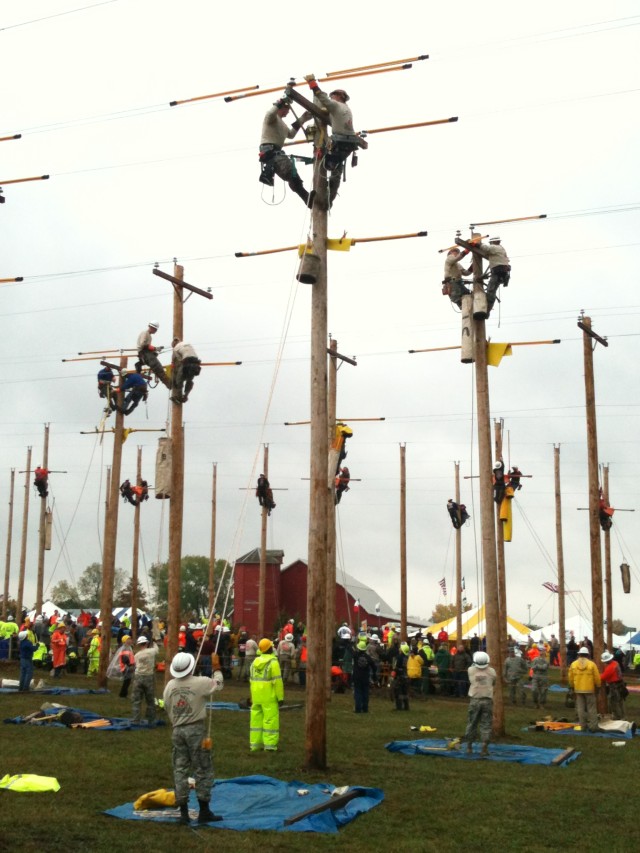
x=57 y=15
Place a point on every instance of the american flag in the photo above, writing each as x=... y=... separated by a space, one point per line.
x=552 y=587
x=443 y=586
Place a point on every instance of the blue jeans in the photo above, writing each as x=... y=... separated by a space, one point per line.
x=26 y=673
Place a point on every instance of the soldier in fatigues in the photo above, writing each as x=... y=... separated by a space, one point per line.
x=185 y=701
x=144 y=681
x=540 y=681
x=514 y=672
x=482 y=680
x=273 y=160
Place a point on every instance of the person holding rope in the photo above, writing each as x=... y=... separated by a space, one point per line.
x=185 y=701
x=147 y=354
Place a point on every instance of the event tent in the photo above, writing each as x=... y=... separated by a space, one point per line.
x=580 y=625
x=473 y=622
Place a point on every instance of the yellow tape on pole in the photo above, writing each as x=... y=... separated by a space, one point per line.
x=496 y=352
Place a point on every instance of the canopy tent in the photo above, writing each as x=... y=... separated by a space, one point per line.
x=581 y=626
x=48 y=609
x=474 y=622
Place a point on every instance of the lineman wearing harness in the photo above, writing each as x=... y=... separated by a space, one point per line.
x=344 y=141
x=499 y=265
x=186 y=366
x=453 y=286
x=147 y=353
x=273 y=160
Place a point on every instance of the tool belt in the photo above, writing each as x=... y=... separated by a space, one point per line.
x=268 y=151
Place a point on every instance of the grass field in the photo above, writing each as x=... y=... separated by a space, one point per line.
x=430 y=803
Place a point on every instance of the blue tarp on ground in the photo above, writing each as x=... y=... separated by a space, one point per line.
x=225 y=706
x=261 y=802
x=117 y=724
x=56 y=691
x=497 y=751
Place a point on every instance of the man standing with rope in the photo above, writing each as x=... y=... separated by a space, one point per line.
x=185 y=701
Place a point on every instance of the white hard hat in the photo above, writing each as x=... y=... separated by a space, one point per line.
x=583 y=650
x=22 y=635
x=497 y=464
x=481 y=659
x=155 y=326
x=142 y=640
x=182 y=665
x=606 y=657
x=288 y=637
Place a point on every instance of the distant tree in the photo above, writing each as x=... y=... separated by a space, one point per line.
x=90 y=585
x=66 y=595
x=123 y=599
x=447 y=611
x=194 y=584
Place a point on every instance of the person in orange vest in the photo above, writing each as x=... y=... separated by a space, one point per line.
x=302 y=656
x=41 y=481
x=182 y=637
x=59 y=649
x=342 y=483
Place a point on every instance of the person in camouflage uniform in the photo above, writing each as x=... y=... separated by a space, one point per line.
x=540 y=681
x=144 y=681
x=482 y=680
x=185 y=701
x=514 y=672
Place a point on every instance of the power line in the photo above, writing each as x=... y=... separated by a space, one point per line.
x=57 y=15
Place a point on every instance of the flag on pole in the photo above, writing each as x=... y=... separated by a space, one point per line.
x=443 y=586
x=463 y=586
x=552 y=587
x=356 y=605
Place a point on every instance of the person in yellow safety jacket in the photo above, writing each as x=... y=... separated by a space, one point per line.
x=267 y=693
x=94 y=653
x=40 y=654
x=584 y=680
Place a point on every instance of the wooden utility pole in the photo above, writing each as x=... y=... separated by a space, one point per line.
x=110 y=539
x=607 y=563
x=502 y=591
x=42 y=529
x=403 y=542
x=136 y=551
x=262 y=577
x=7 y=562
x=560 y=561
x=594 y=494
x=177 y=468
x=331 y=514
x=212 y=551
x=489 y=561
x=317 y=674
x=456 y=468
x=23 y=544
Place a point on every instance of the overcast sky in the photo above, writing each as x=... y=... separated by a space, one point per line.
x=547 y=102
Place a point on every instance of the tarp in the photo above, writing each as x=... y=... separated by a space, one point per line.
x=262 y=802
x=115 y=724
x=629 y=735
x=497 y=752
x=473 y=622
x=56 y=691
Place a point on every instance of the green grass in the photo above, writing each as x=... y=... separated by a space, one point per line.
x=431 y=803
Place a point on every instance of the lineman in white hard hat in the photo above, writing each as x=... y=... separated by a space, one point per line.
x=147 y=353
x=482 y=680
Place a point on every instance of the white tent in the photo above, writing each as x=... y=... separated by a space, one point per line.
x=581 y=627
x=48 y=609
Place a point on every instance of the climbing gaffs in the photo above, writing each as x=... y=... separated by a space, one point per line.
x=264 y=493
x=498 y=272
x=135 y=495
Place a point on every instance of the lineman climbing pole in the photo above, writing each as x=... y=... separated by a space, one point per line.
x=403 y=542
x=607 y=563
x=136 y=552
x=502 y=591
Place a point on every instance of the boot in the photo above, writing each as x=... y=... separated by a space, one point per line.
x=206 y=815
x=184 y=815
x=298 y=188
x=484 y=752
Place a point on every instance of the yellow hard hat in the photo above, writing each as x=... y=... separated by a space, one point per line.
x=265 y=645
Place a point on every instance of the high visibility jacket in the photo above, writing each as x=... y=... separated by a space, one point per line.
x=94 y=647
x=266 y=680
x=414 y=666
x=583 y=676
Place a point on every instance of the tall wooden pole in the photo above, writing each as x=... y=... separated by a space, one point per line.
x=262 y=577
x=560 y=561
x=403 y=542
x=110 y=542
x=316 y=708
x=107 y=497
x=607 y=563
x=177 y=491
x=456 y=466
x=212 y=551
x=42 y=530
x=23 y=544
x=331 y=515
x=489 y=561
x=594 y=501
x=501 y=564
x=7 y=562
x=136 y=552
